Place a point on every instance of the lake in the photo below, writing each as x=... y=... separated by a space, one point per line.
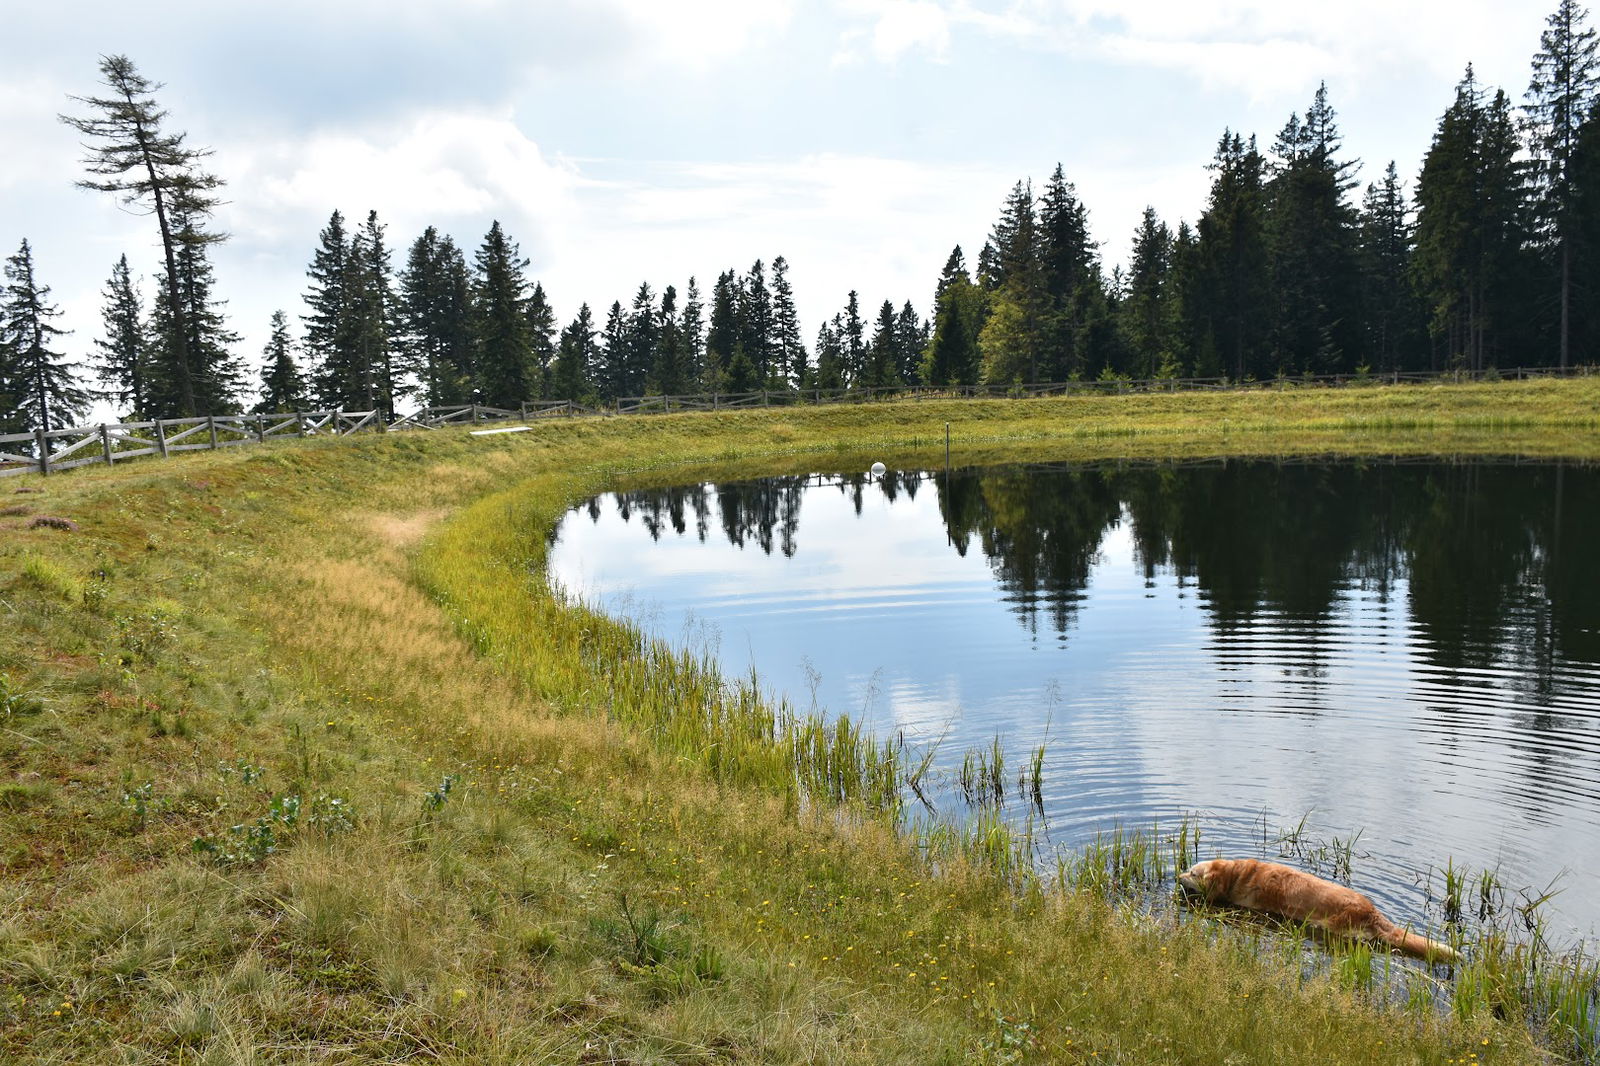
x=1408 y=651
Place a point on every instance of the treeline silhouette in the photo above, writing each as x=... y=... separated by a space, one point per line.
x=1490 y=258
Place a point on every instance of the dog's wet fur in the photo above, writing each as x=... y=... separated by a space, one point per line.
x=1274 y=888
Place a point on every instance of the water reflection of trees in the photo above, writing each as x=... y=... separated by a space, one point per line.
x=1492 y=556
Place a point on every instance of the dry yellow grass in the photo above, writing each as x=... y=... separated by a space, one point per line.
x=487 y=863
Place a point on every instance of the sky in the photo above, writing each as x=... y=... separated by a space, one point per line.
x=622 y=141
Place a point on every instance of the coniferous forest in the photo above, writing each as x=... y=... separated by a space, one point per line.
x=1488 y=257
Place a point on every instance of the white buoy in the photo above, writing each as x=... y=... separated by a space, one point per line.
x=878 y=469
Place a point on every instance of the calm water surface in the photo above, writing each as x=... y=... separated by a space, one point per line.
x=1408 y=651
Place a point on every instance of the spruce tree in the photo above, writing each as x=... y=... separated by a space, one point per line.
x=283 y=387
x=722 y=333
x=1145 y=307
x=1585 y=242
x=434 y=319
x=132 y=157
x=952 y=351
x=1561 y=95
x=692 y=329
x=375 y=365
x=123 y=353
x=641 y=344
x=504 y=358
x=1392 y=317
x=852 y=339
x=541 y=341
x=1470 y=231
x=910 y=339
x=42 y=385
x=1016 y=277
x=613 y=353
x=758 y=323
x=330 y=324
x=1232 y=290
x=789 y=351
x=1311 y=242
x=830 y=355
x=883 y=354
x=667 y=376
x=1070 y=278
x=195 y=325
x=572 y=377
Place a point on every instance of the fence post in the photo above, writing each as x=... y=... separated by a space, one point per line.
x=211 y=428
x=261 y=429
x=714 y=402
x=333 y=421
x=161 y=438
x=300 y=423
x=476 y=415
x=524 y=409
x=105 y=441
x=43 y=441
x=380 y=418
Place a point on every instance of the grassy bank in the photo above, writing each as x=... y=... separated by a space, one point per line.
x=301 y=764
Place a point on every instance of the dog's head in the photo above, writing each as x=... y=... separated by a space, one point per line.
x=1205 y=879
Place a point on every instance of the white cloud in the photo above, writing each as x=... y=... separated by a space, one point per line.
x=696 y=32
x=1261 y=47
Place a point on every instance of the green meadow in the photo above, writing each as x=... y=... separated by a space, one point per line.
x=301 y=761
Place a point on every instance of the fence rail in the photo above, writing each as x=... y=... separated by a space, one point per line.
x=48 y=451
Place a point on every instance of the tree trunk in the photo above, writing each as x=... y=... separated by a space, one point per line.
x=180 y=335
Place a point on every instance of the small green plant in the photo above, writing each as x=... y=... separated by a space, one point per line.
x=435 y=799
x=251 y=842
x=331 y=814
x=14 y=703
x=1010 y=1040
x=138 y=801
x=247 y=772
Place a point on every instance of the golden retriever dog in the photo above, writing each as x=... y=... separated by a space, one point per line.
x=1301 y=897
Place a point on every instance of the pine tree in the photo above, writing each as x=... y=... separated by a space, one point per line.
x=123 y=353
x=573 y=376
x=1071 y=283
x=435 y=319
x=910 y=338
x=757 y=323
x=692 y=330
x=830 y=355
x=1561 y=95
x=852 y=339
x=613 y=353
x=789 y=358
x=195 y=326
x=283 y=387
x=1147 y=297
x=1585 y=241
x=1231 y=290
x=503 y=354
x=375 y=366
x=42 y=385
x=1470 y=230
x=1392 y=317
x=883 y=354
x=541 y=342
x=1016 y=277
x=1311 y=247
x=145 y=166
x=722 y=334
x=330 y=325
x=667 y=376
x=952 y=352
x=641 y=343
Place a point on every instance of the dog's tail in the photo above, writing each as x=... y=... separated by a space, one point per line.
x=1416 y=944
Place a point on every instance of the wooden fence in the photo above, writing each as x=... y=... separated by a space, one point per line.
x=47 y=451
